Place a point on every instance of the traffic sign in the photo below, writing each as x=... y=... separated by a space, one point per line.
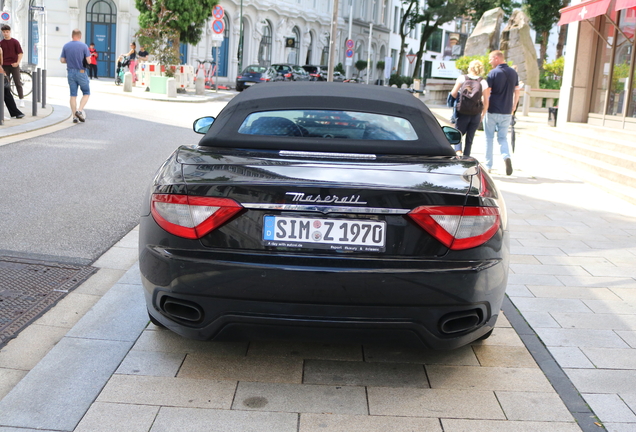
x=349 y=43
x=5 y=16
x=218 y=12
x=349 y=53
x=218 y=26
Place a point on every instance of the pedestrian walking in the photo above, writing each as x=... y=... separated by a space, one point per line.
x=9 y=101
x=471 y=92
x=132 y=57
x=12 y=57
x=92 y=66
x=504 y=97
x=75 y=54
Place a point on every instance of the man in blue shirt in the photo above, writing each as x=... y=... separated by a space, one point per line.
x=504 y=96
x=73 y=55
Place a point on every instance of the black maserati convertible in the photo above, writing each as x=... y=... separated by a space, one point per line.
x=331 y=212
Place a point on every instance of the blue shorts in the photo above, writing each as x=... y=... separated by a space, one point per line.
x=77 y=78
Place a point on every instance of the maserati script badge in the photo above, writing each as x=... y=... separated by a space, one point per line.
x=300 y=197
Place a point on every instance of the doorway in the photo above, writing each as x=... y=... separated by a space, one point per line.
x=101 y=29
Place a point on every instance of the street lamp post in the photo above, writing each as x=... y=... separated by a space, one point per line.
x=332 y=41
x=240 y=44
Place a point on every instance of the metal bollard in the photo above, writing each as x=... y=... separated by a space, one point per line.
x=34 y=92
x=43 y=80
x=2 y=78
x=39 y=86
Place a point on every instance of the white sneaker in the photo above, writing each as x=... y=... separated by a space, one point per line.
x=21 y=103
x=80 y=115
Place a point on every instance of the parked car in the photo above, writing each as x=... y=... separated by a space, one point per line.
x=338 y=77
x=328 y=215
x=290 y=72
x=254 y=74
x=316 y=73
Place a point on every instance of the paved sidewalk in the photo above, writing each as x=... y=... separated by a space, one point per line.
x=93 y=363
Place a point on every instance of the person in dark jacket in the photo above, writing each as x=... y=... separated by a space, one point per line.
x=9 y=101
x=468 y=124
x=504 y=97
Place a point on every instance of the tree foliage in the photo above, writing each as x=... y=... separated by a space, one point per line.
x=430 y=14
x=462 y=63
x=543 y=15
x=185 y=17
x=477 y=8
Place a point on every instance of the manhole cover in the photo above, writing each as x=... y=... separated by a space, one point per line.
x=29 y=288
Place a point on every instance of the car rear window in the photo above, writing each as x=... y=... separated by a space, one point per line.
x=329 y=124
x=255 y=69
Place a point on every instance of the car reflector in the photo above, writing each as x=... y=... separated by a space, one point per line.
x=458 y=227
x=192 y=217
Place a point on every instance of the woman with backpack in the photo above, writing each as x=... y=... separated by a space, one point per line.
x=471 y=93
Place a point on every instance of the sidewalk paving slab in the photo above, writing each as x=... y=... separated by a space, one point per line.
x=135 y=381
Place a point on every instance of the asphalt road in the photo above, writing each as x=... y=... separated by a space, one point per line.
x=70 y=195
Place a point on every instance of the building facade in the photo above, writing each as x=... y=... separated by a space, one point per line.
x=43 y=27
x=255 y=32
x=599 y=83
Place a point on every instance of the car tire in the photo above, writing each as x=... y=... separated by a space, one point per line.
x=239 y=88
x=155 y=322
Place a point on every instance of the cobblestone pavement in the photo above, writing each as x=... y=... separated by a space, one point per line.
x=94 y=363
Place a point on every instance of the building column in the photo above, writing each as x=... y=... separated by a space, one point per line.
x=73 y=14
x=123 y=29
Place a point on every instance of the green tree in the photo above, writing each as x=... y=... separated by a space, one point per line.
x=407 y=23
x=431 y=15
x=361 y=65
x=182 y=19
x=478 y=7
x=543 y=15
x=463 y=62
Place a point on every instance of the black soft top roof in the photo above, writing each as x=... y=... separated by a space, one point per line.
x=331 y=96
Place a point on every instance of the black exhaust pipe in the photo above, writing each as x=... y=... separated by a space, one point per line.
x=460 y=322
x=182 y=310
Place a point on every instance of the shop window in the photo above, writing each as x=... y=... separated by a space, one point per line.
x=628 y=25
x=603 y=66
x=434 y=42
x=265 y=47
x=618 y=96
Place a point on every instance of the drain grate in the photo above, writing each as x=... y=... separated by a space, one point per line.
x=28 y=288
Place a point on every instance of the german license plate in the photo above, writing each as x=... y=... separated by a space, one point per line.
x=317 y=233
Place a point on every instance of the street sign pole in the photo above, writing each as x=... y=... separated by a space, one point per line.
x=332 y=41
x=349 y=60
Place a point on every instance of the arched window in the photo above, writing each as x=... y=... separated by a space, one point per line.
x=310 y=48
x=293 y=56
x=265 y=47
x=222 y=52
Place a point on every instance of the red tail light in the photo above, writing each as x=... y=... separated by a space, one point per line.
x=192 y=217
x=458 y=227
x=288 y=75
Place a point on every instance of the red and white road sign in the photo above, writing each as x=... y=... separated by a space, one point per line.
x=218 y=12
x=218 y=26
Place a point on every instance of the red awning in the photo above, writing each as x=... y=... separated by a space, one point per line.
x=624 y=4
x=584 y=10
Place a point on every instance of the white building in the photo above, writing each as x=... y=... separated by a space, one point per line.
x=274 y=31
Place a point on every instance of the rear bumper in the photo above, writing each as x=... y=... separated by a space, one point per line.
x=214 y=295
